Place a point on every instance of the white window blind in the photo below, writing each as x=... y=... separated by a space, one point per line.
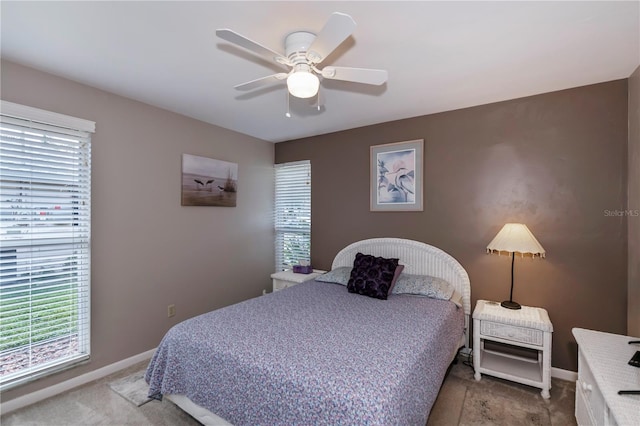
x=293 y=213
x=45 y=201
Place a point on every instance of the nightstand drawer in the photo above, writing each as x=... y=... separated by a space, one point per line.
x=288 y=278
x=511 y=332
x=282 y=284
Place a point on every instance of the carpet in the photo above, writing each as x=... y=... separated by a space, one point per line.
x=133 y=388
x=484 y=407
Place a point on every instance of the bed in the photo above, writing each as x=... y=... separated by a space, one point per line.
x=316 y=353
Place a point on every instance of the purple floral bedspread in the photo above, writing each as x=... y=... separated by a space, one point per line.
x=312 y=354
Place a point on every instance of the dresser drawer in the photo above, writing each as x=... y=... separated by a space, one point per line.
x=589 y=391
x=583 y=413
x=511 y=332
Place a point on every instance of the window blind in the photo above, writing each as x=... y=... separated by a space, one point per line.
x=45 y=230
x=292 y=213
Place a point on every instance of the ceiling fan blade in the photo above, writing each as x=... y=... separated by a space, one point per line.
x=335 y=31
x=357 y=75
x=250 y=85
x=242 y=41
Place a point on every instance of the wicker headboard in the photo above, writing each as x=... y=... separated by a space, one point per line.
x=418 y=258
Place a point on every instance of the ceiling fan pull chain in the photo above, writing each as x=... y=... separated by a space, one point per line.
x=288 y=113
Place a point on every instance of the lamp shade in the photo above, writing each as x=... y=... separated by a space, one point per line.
x=303 y=84
x=516 y=238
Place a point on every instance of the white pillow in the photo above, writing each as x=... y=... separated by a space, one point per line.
x=423 y=285
x=338 y=276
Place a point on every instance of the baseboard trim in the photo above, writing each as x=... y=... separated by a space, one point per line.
x=465 y=351
x=559 y=373
x=37 y=396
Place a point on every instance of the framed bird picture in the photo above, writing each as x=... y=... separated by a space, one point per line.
x=208 y=182
x=396 y=176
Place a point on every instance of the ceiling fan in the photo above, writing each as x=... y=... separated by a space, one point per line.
x=304 y=51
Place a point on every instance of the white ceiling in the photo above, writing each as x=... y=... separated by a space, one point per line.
x=440 y=55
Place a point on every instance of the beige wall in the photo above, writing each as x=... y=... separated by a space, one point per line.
x=633 y=310
x=555 y=161
x=147 y=250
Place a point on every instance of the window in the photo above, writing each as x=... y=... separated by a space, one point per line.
x=293 y=213
x=45 y=200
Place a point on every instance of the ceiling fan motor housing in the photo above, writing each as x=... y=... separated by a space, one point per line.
x=296 y=45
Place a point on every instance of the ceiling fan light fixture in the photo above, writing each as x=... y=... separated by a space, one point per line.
x=303 y=84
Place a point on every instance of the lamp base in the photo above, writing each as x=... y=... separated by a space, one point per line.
x=510 y=305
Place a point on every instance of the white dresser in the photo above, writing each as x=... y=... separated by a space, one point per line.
x=603 y=370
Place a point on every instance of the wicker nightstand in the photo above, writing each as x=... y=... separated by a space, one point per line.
x=523 y=328
x=288 y=278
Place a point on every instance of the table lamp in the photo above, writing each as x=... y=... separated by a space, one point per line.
x=515 y=238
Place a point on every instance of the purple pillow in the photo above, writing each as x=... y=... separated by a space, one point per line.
x=396 y=275
x=372 y=276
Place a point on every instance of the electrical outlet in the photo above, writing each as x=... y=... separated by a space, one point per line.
x=171 y=310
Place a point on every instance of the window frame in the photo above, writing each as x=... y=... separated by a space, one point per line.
x=292 y=217
x=56 y=255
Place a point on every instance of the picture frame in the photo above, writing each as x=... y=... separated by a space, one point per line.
x=208 y=182
x=396 y=179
